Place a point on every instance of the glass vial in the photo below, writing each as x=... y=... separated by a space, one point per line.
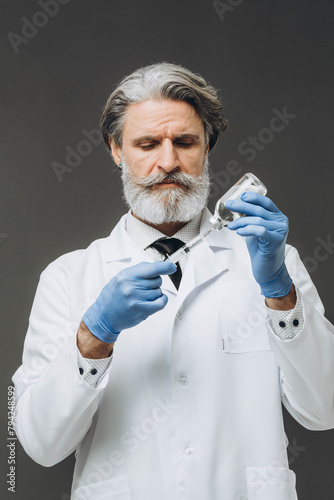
x=222 y=216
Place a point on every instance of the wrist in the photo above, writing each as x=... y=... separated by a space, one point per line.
x=90 y=346
x=285 y=303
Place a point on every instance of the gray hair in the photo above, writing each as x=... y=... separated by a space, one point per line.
x=163 y=81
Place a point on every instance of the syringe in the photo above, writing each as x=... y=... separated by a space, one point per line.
x=175 y=257
x=222 y=215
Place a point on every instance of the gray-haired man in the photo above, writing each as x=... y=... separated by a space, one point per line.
x=168 y=380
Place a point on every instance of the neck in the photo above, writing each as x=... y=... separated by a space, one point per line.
x=167 y=228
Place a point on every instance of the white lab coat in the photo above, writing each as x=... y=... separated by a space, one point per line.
x=191 y=406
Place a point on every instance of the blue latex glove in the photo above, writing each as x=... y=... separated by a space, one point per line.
x=266 y=230
x=129 y=298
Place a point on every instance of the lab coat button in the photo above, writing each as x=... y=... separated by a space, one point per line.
x=188 y=450
x=179 y=315
x=183 y=380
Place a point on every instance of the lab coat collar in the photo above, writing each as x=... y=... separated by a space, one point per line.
x=119 y=246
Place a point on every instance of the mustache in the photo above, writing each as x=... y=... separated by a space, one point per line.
x=186 y=180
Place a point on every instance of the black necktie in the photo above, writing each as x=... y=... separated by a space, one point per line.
x=167 y=246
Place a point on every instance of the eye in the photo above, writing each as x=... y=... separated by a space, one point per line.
x=146 y=147
x=184 y=144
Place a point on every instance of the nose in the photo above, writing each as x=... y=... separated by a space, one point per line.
x=168 y=158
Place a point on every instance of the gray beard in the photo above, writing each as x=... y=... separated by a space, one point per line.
x=166 y=204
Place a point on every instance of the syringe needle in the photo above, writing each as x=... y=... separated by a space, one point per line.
x=207 y=232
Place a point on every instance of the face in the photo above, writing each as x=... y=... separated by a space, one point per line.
x=163 y=155
x=162 y=136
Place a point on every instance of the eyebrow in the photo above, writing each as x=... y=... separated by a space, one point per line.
x=152 y=138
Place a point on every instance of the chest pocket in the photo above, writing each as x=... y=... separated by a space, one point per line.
x=274 y=483
x=242 y=318
x=110 y=489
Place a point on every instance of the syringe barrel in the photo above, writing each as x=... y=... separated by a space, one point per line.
x=175 y=257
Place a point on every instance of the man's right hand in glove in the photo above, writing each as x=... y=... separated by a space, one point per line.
x=128 y=299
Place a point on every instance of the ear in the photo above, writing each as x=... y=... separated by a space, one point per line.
x=116 y=152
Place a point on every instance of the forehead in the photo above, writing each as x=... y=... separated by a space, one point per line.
x=163 y=117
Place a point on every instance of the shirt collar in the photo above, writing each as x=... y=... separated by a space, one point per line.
x=144 y=235
x=120 y=246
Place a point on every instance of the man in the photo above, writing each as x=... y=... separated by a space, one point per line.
x=168 y=380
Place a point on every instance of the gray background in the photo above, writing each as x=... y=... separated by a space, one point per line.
x=262 y=55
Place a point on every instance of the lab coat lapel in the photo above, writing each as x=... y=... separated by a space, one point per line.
x=208 y=260
x=204 y=263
